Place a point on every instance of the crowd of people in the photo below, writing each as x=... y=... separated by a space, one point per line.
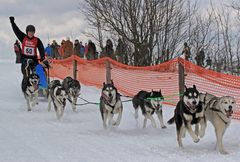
x=88 y=51
x=68 y=48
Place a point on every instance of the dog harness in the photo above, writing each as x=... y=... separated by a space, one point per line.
x=106 y=101
x=29 y=92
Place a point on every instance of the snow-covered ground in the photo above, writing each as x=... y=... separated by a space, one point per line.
x=38 y=136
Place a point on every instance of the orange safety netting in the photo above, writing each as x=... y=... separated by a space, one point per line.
x=131 y=79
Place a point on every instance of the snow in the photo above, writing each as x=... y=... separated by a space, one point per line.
x=38 y=136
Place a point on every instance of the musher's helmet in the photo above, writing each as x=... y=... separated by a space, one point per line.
x=30 y=28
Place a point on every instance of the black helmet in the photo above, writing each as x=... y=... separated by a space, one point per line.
x=30 y=28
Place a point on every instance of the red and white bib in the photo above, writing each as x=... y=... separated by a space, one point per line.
x=29 y=46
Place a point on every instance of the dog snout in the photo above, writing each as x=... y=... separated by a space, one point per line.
x=64 y=99
x=110 y=94
x=230 y=107
x=158 y=105
x=194 y=102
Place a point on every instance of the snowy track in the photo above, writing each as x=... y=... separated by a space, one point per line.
x=38 y=136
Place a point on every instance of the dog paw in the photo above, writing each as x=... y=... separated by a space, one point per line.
x=163 y=127
x=223 y=152
x=196 y=140
x=201 y=134
x=116 y=123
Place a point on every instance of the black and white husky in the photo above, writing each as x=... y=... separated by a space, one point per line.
x=57 y=96
x=30 y=90
x=110 y=104
x=189 y=111
x=149 y=102
x=72 y=88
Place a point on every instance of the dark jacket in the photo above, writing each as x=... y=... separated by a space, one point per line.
x=20 y=35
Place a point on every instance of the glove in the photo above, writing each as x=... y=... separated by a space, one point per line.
x=11 y=19
x=42 y=58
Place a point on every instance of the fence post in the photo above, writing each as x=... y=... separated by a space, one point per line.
x=108 y=72
x=75 y=69
x=181 y=79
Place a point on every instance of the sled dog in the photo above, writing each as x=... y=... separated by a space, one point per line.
x=110 y=104
x=218 y=110
x=57 y=96
x=149 y=102
x=72 y=88
x=189 y=111
x=30 y=90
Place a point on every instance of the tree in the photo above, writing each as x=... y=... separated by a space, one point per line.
x=145 y=24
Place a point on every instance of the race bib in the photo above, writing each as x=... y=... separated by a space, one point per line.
x=29 y=51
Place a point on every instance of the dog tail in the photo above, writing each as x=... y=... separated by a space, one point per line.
x=172 y=120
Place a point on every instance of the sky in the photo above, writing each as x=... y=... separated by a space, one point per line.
x=38 y=136
x=53 y=19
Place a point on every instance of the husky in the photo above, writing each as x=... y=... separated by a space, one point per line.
x=149 y=102
x=189 y=111
x=110 y=104
x=72 y=88
x=28 y=67
x=218 y=110
x=30 y=90
x=57 y=96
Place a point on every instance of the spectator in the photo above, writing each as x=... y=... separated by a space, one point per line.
x=108 y=50
x=82 y=49
x=186 y=51
x=18 y=51
x=48 y=51
x=61 y=49
x=121 y=52
x=67 y=48
x=55 y=47
x=200 y=58
x=76 y=47
x=90 y=51
x=209 y=62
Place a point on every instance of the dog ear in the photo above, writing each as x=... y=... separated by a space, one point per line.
x=104 y=83
x=194 y=86
x=112 y=82
x=185 y=87
x=160 y=91
x=151 y=93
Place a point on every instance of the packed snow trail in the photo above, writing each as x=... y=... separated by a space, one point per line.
x=38 y=136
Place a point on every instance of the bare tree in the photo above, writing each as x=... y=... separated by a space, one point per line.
x=145 y=24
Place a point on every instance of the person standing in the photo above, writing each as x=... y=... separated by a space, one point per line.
x=48 y=51
x=67 y=48
x=30 y=44
x=76 y=48
x=17 y=50
x=186 y=51
x=90 y=51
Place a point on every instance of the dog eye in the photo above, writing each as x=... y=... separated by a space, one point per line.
x=233 y=102
x=225 y=102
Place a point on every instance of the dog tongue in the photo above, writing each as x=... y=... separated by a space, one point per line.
x=229 y=113
x=35 y=87
x=191 y=106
